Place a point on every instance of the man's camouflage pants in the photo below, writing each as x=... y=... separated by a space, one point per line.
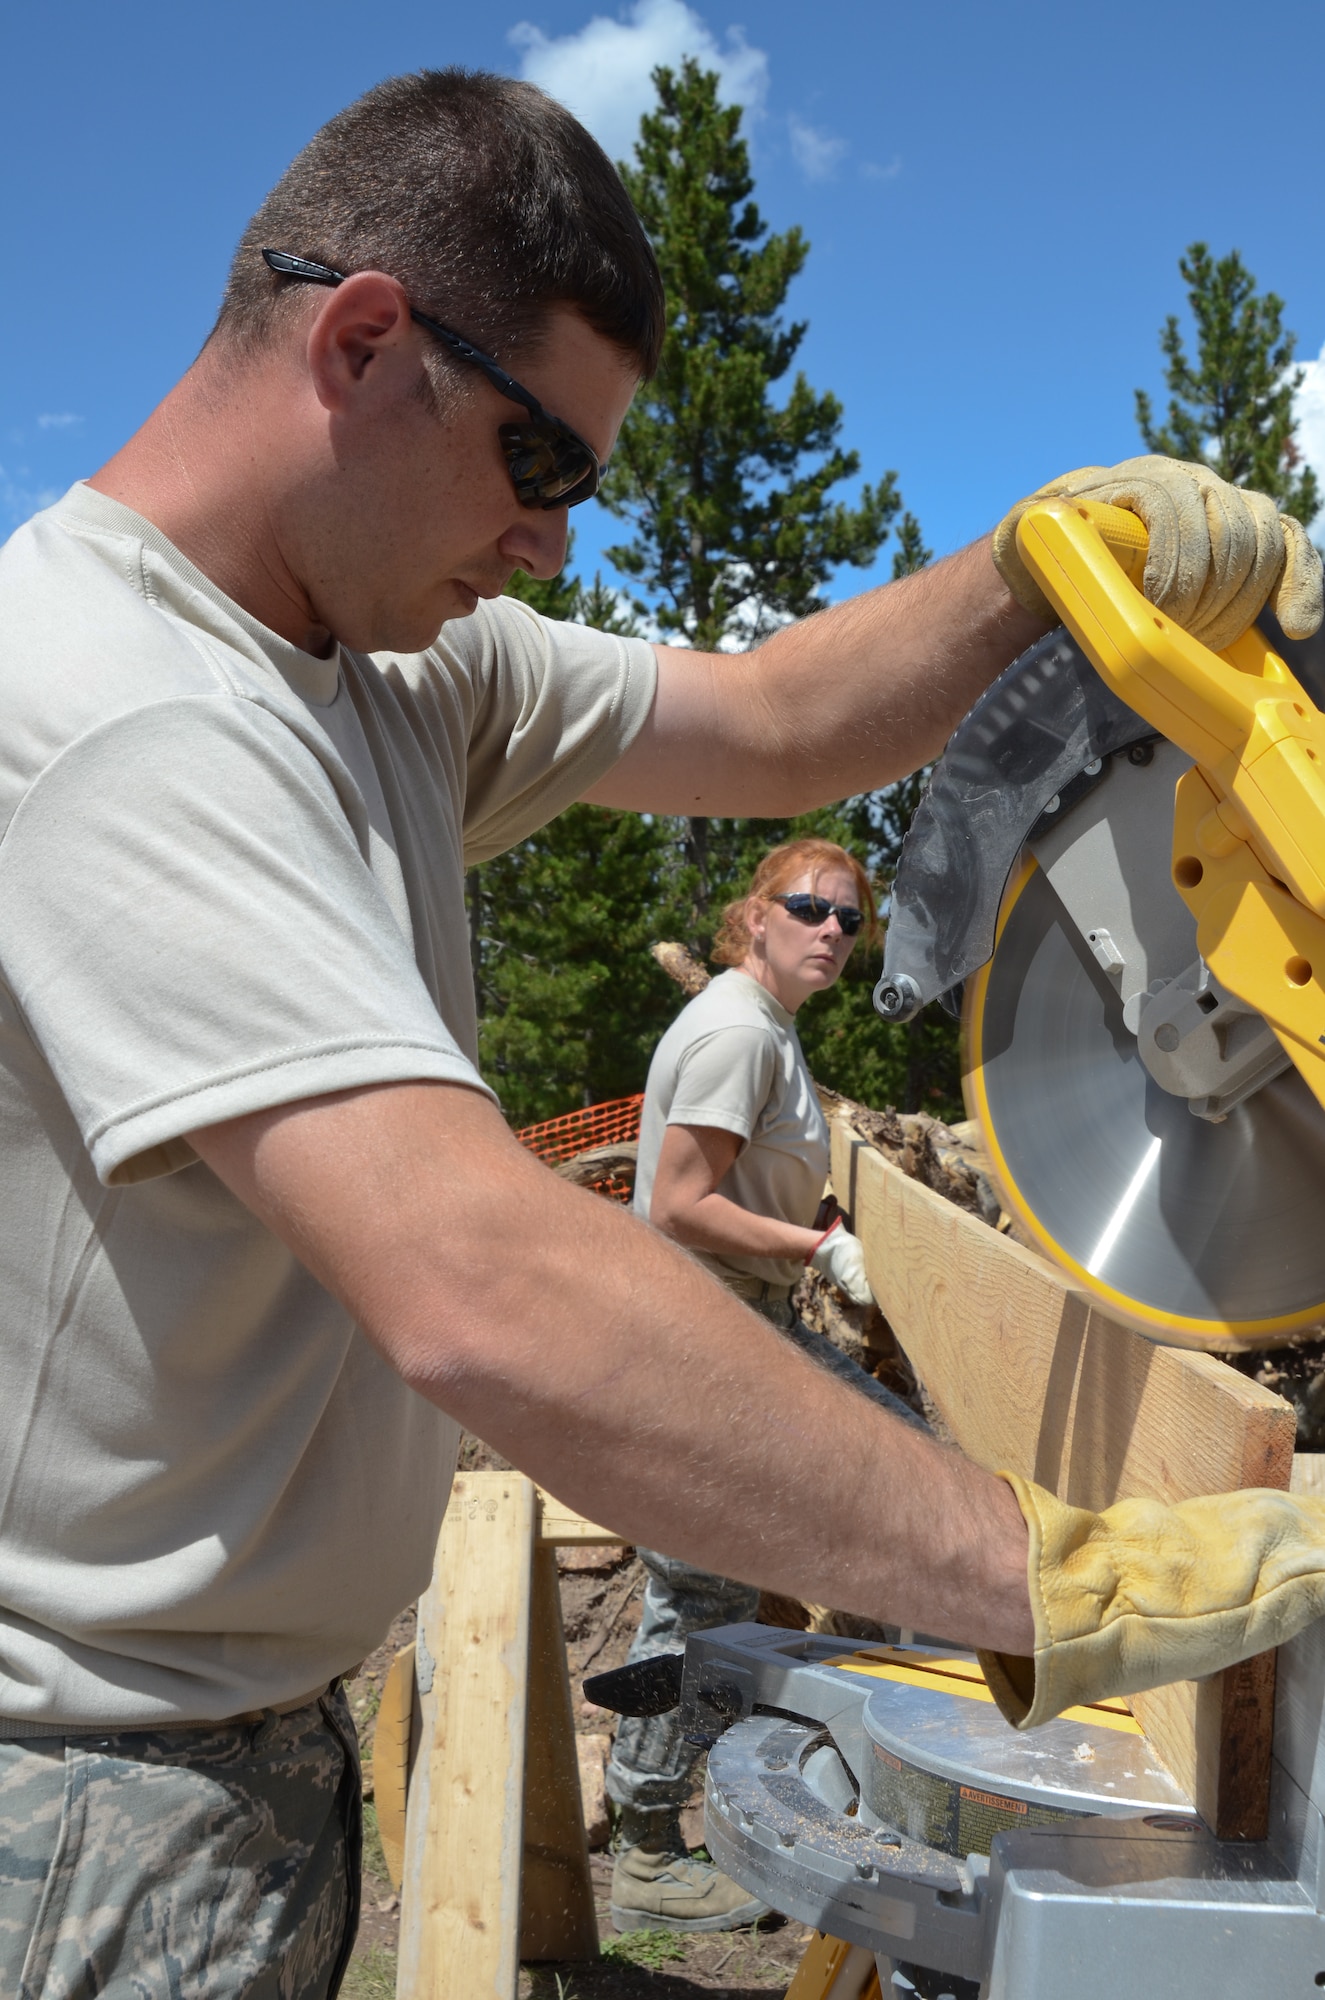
x=215 y=1862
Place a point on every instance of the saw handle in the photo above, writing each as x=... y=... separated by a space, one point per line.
x=1240 y=714
x=1122 y=533
x=1249 y=819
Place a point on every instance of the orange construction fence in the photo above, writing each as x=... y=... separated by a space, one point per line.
x=575 y=1132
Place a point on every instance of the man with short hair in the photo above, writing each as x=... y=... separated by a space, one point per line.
x=268 y=1241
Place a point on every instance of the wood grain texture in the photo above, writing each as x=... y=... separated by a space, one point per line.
x=560 y=1526
x=1029 y=1375
x=1309 y=1474
x=557 y=1917
x=460 y=1911
x=834 y=1970
x=391 y=1755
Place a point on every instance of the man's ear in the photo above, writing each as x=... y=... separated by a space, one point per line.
x=362 y=335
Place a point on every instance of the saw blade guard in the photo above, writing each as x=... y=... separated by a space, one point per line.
x=1023 y=750
x=1133 y=896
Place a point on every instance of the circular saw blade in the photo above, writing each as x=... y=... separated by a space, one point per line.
x=1199 y=1234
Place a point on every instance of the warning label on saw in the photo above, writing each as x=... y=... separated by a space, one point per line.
x=958 y=1819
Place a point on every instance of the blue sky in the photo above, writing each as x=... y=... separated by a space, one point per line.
x=996 y=199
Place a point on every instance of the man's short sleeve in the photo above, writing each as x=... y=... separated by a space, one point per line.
x=192 y=933
x=724 y=1079
x=554 y=707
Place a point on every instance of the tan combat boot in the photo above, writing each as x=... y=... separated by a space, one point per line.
x=657 y=1886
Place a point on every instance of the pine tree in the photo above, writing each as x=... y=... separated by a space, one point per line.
x=570 y=1003
x=1233 y=406
x=573 y=1005
x=728 y=492
x=910 y=553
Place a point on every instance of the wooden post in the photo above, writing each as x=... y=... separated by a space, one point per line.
x=1029 y=1375
x=495 y=1863
x=557 y=1917
x=460 y=1913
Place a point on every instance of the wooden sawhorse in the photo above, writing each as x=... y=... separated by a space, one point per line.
x=475 y=1771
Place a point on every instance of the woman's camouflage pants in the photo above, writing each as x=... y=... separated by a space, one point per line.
x=218 y=1862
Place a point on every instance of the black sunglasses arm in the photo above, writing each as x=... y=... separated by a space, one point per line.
x=287 y=266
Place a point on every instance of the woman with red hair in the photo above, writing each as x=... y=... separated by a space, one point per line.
x=733 y=1158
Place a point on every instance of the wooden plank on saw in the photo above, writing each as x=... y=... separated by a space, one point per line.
x=1030 y=1375
x=557 y=1917
x=464 y=1836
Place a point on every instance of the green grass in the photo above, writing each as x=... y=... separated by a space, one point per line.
x=371 y=1976
x=374 y=1861
x=651 y=1949
x=543 y=1979
x=364 y=1708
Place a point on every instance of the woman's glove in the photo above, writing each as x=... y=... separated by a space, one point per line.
x=1144 y=1594
x=1217 y=552
x=839 y=1256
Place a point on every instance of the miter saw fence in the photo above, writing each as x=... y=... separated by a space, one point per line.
x=876 y=1794
x=1153 y=1131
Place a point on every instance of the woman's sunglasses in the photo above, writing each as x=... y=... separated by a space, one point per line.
x=549 y=463
x=809 y=909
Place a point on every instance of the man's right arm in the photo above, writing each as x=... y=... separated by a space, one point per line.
x=609 y=1367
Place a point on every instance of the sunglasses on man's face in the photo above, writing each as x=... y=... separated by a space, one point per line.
x=549 y=463
x=809 y=909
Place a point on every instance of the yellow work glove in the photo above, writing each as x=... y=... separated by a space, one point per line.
x=1217 y=552
x=1144 y=1594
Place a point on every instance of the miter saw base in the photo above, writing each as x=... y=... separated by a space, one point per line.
x=874 y=1794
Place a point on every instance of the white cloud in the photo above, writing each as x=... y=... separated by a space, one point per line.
x=870 y=170
x=19 y=498
x=603 y=71
x=817 y=154
x=57 y=420
x=1309 y=405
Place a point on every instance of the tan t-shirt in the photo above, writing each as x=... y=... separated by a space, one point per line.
x=732 y=1059
x=231 y=876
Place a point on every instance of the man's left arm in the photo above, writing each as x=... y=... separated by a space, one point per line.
x=855 y=697
x=839 y=703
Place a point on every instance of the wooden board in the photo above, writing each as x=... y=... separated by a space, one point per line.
x=460 y=1913
x=557 y=1918
x=834 y=1970
x=560 y=1526
x=1030 y=1375
x=391 y=1760
x=1309 y=1474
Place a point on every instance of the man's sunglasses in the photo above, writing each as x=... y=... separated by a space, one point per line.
x=809 y=909
x=549 y=463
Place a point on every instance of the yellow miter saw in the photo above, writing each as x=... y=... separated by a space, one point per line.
x=1118 y=874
